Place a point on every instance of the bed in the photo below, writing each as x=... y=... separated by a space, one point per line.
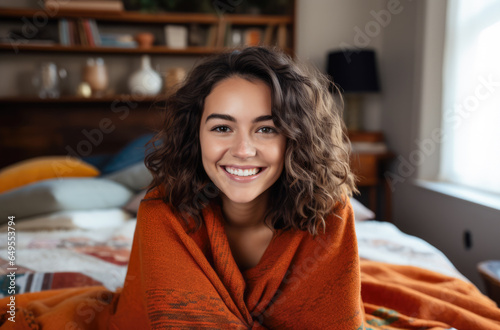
x=77 y=230
x=55 y=258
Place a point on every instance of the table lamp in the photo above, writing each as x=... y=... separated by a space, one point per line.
x=355 y=72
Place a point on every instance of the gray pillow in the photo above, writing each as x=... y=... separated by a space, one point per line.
x=62 y=194
x=136 y=177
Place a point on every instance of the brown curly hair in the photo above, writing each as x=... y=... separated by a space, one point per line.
x=316 y=175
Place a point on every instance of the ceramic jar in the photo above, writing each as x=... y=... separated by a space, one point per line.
x=173 y=78
x=145 y=81
x=96 y=75
x=144 y=39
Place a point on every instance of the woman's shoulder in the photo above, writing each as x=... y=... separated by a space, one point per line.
x=154 y=194
x=155 y=209
x=153 y=206
x=342 y=211
x=341 y=217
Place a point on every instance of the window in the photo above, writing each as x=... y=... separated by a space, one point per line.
x=471 y=95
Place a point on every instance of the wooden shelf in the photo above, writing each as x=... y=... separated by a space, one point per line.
x=78 y=99
x=134 y=17
x=139 y=17
x=108 y=50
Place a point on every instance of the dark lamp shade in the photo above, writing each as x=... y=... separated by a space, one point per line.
x=355 y=71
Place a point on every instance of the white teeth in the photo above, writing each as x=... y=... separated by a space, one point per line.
x=240 y=172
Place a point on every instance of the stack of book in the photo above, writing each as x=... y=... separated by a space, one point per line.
x=124 y=40
x=82 y=32
x=100 y=5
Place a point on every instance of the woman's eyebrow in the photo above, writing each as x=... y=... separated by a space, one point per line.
x=231 y=118
x=220 y=116
x=263 y=118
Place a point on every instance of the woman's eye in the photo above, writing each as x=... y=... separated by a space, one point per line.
x=267 y=130
x=221 y=129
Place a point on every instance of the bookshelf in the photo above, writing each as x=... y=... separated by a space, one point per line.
x=283 y=32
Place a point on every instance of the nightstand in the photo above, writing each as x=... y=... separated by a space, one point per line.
x=490 y=272
x=369 y=159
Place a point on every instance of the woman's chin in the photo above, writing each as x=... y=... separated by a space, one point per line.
x=240 y=200
x=240 y=197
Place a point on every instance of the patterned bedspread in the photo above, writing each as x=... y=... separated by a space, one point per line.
x=75 y=258
x=68 y=258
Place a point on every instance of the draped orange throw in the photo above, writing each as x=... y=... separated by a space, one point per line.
x=180 y=280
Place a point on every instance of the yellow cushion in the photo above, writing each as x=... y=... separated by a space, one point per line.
x=41 y=168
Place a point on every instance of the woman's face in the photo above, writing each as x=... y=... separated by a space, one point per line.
x=242 y=152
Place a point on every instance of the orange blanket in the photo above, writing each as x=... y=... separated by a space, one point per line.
x=181 y=280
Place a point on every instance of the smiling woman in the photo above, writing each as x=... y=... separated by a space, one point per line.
x=264 y=131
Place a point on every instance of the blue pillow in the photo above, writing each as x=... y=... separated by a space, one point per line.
x=98 y=161
x=131 y=154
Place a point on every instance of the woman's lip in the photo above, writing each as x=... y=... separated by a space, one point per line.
x=246 y=167
x=243 y=178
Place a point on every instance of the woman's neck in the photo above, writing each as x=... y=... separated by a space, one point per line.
x=248 y=216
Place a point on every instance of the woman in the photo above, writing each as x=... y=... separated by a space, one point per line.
x=249 y=202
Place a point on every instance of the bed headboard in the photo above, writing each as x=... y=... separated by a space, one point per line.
x=30 y=129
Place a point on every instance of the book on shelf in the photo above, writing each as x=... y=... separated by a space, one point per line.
x=211 y=36
x=63 y=27
x=228 y=36
x=282 y=36
x=268 y=34
x=95 y=32
x=81 y=31
x=104 y=5
x=221 y=34
x=88 y=33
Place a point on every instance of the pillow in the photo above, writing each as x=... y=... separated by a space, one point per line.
x=82 y=219
x=98 y=161
x=135 y=177
x=131 y=154
x=41 y=168
x=133 y=204
x=361 y=213
x=57 y=195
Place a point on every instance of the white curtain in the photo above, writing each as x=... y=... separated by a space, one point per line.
x=471 y=95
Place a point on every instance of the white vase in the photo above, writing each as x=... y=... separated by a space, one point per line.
x=145 y=81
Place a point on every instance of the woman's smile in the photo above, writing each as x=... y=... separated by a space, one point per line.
x=243 y=173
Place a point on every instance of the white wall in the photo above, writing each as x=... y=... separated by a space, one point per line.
x=413 y=49
x=326 y=25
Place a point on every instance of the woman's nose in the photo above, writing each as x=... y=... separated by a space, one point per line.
x=243 y=147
